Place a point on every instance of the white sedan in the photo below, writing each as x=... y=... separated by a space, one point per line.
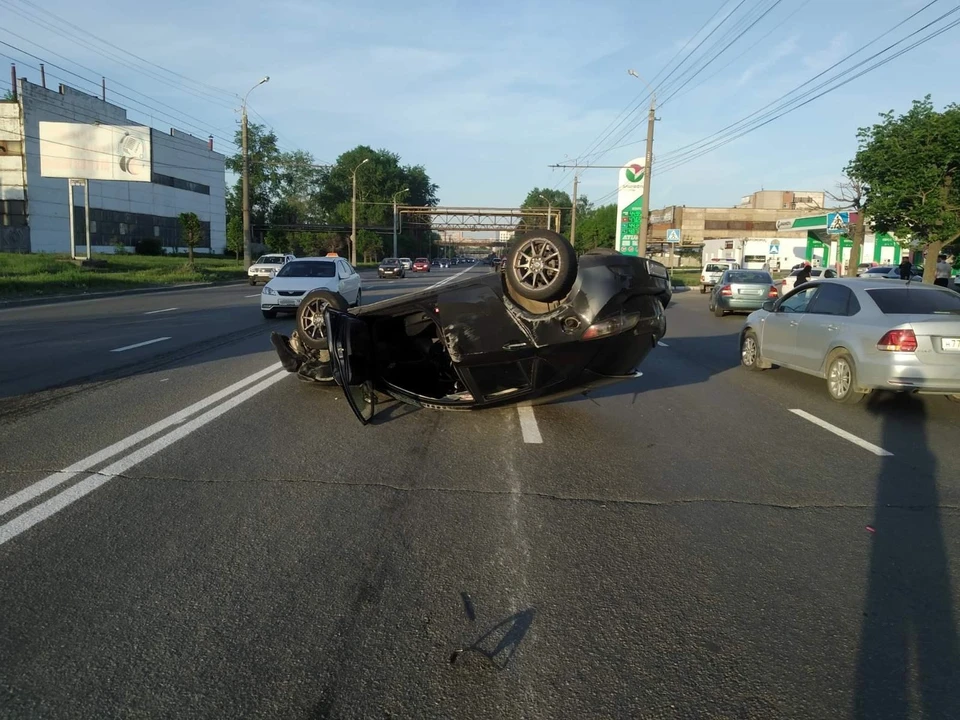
x=267 y=266
x=298 y=277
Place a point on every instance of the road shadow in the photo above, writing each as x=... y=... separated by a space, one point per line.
x=685 y=361
x=909 y=658
x=499 y=643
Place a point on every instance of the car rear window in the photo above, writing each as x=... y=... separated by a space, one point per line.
x=742 y=276
x=915 y=301
x=308 y=269
x=715 y=268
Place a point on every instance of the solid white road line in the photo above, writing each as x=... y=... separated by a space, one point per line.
x=839 y=432
x=528 y=425
x=449 y=279
x=88 y=463
x=58 y=502
x=157 y=312
x=139 y=345
x=254 y=295
x=662 y=344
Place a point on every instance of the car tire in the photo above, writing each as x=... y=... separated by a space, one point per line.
x=541 y=266
x=842 y=380
x=269 y=314
x=750 y=352
x=718 y=311
x=253 y=281
x=703 y=289
x=310 y=325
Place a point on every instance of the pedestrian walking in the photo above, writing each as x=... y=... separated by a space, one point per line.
x=943 y=272
x=804 y=275
x=906 y=268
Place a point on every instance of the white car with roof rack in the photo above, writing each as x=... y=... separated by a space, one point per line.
x=298 y=277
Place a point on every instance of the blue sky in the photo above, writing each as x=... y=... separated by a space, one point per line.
x=486 y=95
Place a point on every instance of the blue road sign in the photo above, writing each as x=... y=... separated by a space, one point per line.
x=837 y=223
x=673 y=235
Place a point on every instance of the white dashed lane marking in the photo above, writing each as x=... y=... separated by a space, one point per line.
x=840 y=432
x=139 y=344
x=528 y=426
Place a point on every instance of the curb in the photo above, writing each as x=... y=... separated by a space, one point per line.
x=54 y=299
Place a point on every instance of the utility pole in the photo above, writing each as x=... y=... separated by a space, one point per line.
x=647 y=167
x=395 y=195
x=353 y=231
x=573 y=214
x=247 y=254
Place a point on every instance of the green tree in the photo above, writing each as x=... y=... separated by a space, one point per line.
x=265 y=174
x=908 y=166
x=558 y=199
x=378 y=180
x=235 y=235
x=596 y=227
x=191 y=232
x=8 y=95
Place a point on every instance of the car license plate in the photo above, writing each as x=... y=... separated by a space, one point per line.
x=950 y=344
x=752 y=291
x=289 y=302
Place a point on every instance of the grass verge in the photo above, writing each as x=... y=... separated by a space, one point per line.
x=41 y=274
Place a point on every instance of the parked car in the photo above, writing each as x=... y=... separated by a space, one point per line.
x=786 y=284
x=421 y=265
x=916 y=274
x=864 y=267
x=267 y=266
x=742 y=291
x=875 y=271
x=475 y=342
x=298 y=277
x=407 y=263
x=391 y=267
x=861 y=335
x=713 y=271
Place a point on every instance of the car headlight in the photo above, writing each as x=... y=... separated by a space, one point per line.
x=611 y=326
x=267 y=290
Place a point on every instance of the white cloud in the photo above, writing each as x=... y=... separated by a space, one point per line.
x=780 y=51
x=827 y=56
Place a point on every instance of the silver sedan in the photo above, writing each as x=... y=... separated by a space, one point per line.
x=861 y=335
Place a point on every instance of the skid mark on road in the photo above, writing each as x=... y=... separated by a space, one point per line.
x=840 y=432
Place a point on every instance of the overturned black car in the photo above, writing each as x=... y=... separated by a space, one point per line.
x=542 y=327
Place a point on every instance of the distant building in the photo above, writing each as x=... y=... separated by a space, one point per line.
x=783 y=200
x=186 y=175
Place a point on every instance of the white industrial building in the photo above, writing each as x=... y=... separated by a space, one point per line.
x=185 y=175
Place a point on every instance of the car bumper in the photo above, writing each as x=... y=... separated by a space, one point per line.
x=904 y=372
x=389 y=273
x=280 y=304
x=741 y=304
x=260 y=275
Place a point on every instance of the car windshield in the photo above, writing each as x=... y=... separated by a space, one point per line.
x=308 y=269
x=422 y=260
x=715 y=268
x=271 y=260
x=916 y=301
x=390 y=262
x=747 y=277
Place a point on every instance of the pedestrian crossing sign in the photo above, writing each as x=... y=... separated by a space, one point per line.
x=837 y=223
x=673 y=235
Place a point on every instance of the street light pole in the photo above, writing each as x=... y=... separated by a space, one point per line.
x=395 y=195
x=549 y=211
x=647 y=168
x=353 y=231
x=247 y=259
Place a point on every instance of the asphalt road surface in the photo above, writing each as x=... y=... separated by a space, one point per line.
x=186 y=531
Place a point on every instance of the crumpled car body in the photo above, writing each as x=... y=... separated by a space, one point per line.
x=468 y=344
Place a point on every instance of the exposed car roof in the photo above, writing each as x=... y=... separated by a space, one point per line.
x=866 y=283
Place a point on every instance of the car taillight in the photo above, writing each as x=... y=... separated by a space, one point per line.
x=898 y=341
x=611 y=326
x=774 y=292
x=726 y=291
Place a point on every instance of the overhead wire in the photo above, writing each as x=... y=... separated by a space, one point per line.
x=673 y=164
x=70 y=32
x=758 y=116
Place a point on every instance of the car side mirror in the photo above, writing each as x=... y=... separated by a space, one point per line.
x=770 y=306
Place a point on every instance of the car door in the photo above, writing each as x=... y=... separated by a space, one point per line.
x=778 y=341
x=343 y=282
x=353 y=281
x=822 y=324
x=352 y=356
